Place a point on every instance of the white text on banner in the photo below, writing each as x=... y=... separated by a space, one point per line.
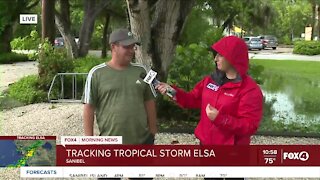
x=88 y=140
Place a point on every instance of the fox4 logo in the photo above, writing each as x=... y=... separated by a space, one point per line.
x=302 y=156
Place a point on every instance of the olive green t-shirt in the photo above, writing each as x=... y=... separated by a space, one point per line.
x=118 y=97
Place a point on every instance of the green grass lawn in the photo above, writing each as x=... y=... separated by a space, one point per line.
x=302 y=69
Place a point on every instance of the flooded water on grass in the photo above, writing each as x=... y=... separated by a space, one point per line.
x=292 y=99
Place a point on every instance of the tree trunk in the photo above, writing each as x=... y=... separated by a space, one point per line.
x=91 y=11
x=48 y=30
x=63 y=24
x=167 y=25
x=139 y=13
x=313 y=5
x=86 y=34
x=159 y=35
x=5 y=39
x=48 y=25
x=316 y=25
x=69 y=41
x=105 y=36
x=318 y=14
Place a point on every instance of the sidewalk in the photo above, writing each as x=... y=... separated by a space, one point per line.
x=10 y=73
x=284 y=56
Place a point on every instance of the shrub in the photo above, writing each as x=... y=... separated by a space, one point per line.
x=51 y=62
x=83 y=65
x=286 y=40
x=307 y=47
x=190 y=65
x=26 y=90
x=7 y=58
x=96 y=43
x=30 y=42
x=255 y=71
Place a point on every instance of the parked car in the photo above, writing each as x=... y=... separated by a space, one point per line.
x=59 y=42
x=269 y=41
x=253 y=43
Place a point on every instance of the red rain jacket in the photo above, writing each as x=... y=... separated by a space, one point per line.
x=239 y=103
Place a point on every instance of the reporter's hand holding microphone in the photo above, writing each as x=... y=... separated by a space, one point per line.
x=165 y=88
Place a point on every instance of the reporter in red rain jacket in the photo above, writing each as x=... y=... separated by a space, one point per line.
x=231 y=102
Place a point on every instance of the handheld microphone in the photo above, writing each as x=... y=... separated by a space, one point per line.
x=154 y=82
x=150 y=78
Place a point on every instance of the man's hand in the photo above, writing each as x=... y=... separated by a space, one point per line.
x=150 y=107
x=212 y=112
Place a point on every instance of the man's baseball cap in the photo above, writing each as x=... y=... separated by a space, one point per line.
x=123 y=37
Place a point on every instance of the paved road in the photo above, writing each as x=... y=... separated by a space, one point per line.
x=281 y=54
x=285 y=57
x=96 y=53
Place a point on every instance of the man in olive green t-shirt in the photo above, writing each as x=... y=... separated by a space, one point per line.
x=123 y=102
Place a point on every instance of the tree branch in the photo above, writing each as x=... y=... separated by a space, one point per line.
x=33 y=5
x=100 y=6
x=114 y=13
